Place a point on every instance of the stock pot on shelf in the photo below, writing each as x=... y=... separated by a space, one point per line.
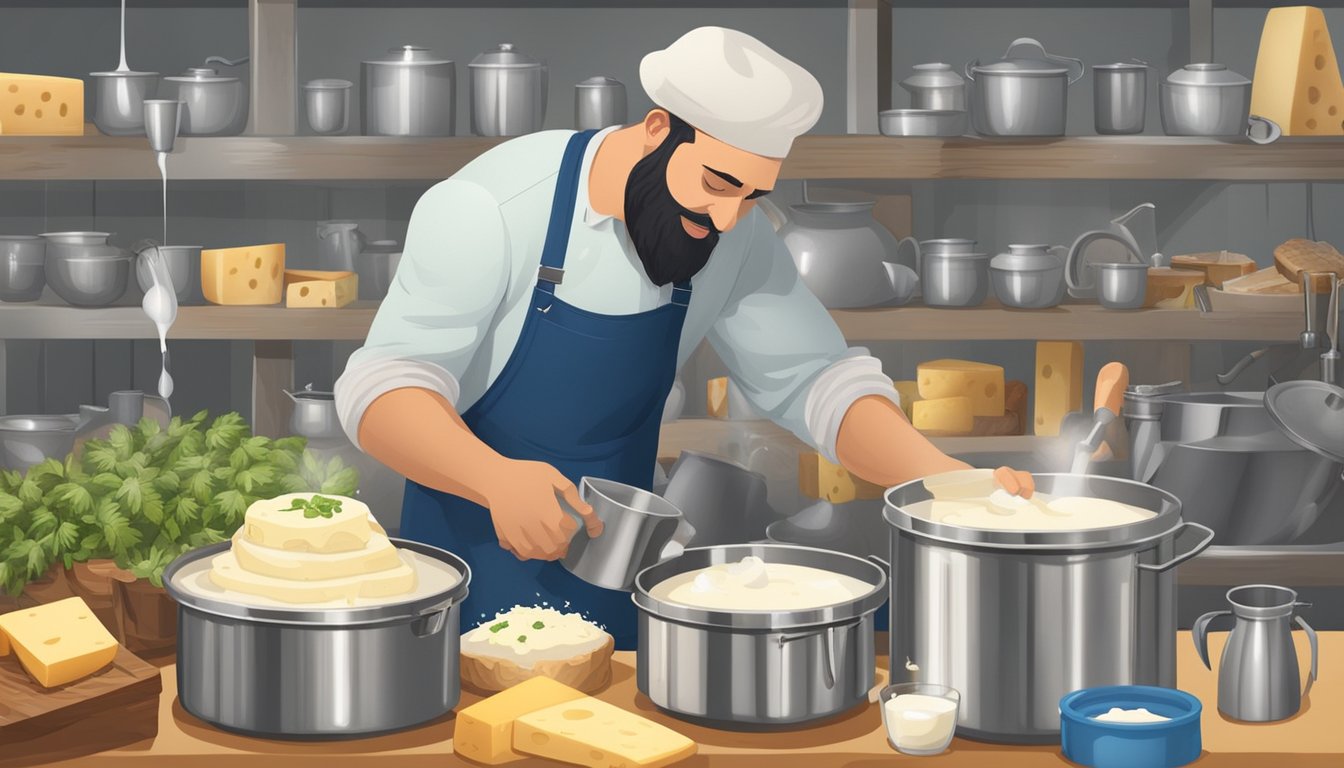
x=1013 y=620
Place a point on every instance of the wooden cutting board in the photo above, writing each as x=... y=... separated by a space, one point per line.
x=113 y=696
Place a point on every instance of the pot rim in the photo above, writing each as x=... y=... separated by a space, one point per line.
x=699 y=557
x=407 y=610
x=823 y=208
x=1164 y=523
x=126 y=73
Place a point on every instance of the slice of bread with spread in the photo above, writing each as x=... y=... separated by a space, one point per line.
x=527 y=642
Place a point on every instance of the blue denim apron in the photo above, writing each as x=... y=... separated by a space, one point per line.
x=583 y=392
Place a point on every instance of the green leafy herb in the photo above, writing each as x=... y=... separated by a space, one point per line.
x=538 y=625
x=317 y=506
x=500 y=626
x=522 y=638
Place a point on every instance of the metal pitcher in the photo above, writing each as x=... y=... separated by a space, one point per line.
x=1257 y=676
x=338 y=243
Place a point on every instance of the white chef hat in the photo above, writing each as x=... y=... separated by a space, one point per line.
x=735 y=88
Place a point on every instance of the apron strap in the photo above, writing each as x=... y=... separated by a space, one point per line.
x=681 y=293
x=552 y=270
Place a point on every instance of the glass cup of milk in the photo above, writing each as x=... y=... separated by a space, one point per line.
x=920 y=718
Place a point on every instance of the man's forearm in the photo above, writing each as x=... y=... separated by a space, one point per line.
x=420 y=435
x=878 y=444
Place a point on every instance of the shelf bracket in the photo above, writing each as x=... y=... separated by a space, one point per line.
x=272 y=374
x=272 y=33
x=868 y=69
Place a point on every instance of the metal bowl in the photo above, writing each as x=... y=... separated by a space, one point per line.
x=1122 y=285
x=22 y=273
x=27 y=440
x=118 y=101
x=1028 y=288
x=82 y=245
x=922 y=122
x=88 y=282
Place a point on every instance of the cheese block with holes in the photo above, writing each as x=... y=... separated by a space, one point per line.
x=593 y=733
x=38 y=105
x=1059 y=384
x=819 y=478
x=320 y=288
x=250 y=275
x=980 y=382
x=484 y=731
x=1297 y=82
x=60 y=642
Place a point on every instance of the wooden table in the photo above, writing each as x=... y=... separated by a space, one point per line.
x=1315 y=737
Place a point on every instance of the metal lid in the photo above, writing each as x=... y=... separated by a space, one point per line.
x=1206 y=74
x=1311 y=414
x=410 y=56
x=123 y=73
x=201 y=75
x=328 y=84
x=934 y=75
x=1166 y=505
x=1022 y=65
x=1121 y=66
x=600 y=81
x=1027 y=257
x=833 y=207
x=503 y=56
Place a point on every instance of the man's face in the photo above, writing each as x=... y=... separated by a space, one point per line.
x=683 y=194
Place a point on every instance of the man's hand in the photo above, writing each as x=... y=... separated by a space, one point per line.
x=1016 y=482
x=524 y=505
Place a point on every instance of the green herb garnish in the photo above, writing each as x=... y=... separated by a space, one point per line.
x=499 y=626
x=522 y=638
x=318 y=506
x=538 y=625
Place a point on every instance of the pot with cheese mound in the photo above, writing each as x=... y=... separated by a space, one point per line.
x=312 y=623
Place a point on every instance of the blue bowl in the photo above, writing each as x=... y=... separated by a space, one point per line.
x=1088 y=741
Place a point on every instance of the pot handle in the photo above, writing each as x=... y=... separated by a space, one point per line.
x=828 y=651
x=227 y=62
x=680 y=538
x=1034 y=43
x=1315 y=652
x=1186 y=555
x=1199 y=632
x=431 y=620
x=1271 y=128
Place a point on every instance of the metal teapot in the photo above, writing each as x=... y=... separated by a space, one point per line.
x=1257 y=676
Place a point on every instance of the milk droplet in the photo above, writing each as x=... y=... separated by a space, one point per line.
x=165 y=384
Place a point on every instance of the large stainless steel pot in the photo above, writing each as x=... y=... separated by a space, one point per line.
x=1221 y=454
x=508 y=92
x=1211 y=100
x=322 y=673
x=1015 y=620
x=411 y=92
x=760 y=668
x=1022 y=95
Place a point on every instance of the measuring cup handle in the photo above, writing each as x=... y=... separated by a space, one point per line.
x=969 y=69
x=1315 y=652
x=682 y=536
x=1199 y=632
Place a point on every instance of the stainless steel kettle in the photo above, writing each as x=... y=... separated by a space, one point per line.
x=1257 y=676
x=314 y=415
x=508 y=92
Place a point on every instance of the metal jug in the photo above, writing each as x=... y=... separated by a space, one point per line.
x=338 y=243
x=640 y=529
x=1257 y=676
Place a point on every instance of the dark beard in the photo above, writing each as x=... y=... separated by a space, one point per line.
x=653 y=219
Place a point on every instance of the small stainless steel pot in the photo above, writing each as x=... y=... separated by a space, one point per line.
x=1022 y=96
x=1029 y=276
x=754 y=669
x=1120 y=97
x=922 y=122
x=411 y=92
x=22 y=273
x=319 y=673
x=1211 y=100
x=1013 y=620
x=88 y=282
x=327 y=103
x=599 y=102
x=952 y=276
x=508 y=92
x=184 y=268
x=639 y=529
x=936 y=86
x=119 y=98
x=314 y=415
x=1121 y=285
x=212 y=104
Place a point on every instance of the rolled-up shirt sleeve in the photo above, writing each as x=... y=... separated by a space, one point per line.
x=784 y=351
x=451 y=281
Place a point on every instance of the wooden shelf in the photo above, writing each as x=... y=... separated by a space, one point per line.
x=314 y=158
x=1086 y=322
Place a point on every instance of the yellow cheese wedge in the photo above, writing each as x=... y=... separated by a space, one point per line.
x=4 y=643
x=1218 y=266
x=980 y=382
x=594 y=733
x=1297 y=82
x=60 y=642
x=317 y=288
x=38 y=105
x=909 y=391
x=818 y=478
x=377 y=555
x=484 y=731
x=1059 y=384
x=944 y=415
x=268 y=523
x=717 y=393
x=249 y=275
x=227 y=573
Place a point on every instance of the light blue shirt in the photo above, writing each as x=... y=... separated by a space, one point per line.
x=456 y=307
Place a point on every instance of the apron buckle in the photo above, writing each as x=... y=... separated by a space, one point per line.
x=554 y=275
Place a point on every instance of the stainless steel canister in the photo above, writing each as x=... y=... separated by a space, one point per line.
x=1016 y=619
x=599 y=102
x=508 y=92
x=334 y=673
x=950 y=275
x=1120 y=93
x=757 y=668
x=411 y=92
